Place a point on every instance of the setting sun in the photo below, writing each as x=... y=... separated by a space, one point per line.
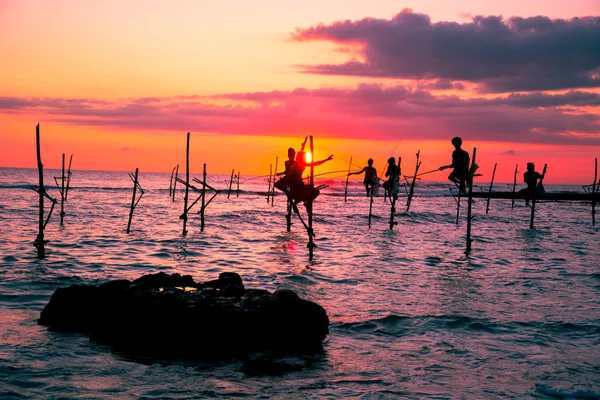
x=308 y=157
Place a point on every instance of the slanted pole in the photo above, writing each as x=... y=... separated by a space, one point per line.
x=203 y=199
x=40 y=243
x=230 y=184
x=309 y=209
x=62 y=191
x=470 y=196
x=273 y=186
x=269 y=188
x=594 y=193
x=175 y=181
x=487 y=207
x=135 y=185
x=187 y=185
x=171 y=182
x=514 y=188
x=288 y=217
x=533 y=197
x=348 y=176
x=412 y=185
x=237 y=194
x=457 y=199
x=68 y=177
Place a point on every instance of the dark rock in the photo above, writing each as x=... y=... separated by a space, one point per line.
x=160 y=314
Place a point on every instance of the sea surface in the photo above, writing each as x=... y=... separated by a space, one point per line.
x=411 y=315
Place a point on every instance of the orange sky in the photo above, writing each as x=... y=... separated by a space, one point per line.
x=118 y=84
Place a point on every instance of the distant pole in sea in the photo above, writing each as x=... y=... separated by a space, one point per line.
x=309 y=206
x=595 y=193
x=68 y=177
x=237 y=194
x=203 y=199
x=187 y=185
x=347 y=177
x=230 y=183
x=171 y=182
x=40 y=243
x=175 y=181
x=514 y=188
x=134 y=203
x=62 y=191
x=394 y=197
x=487 y=207
x=470 y=201
x=412 y=185
x=273 y=186
x=269 y=188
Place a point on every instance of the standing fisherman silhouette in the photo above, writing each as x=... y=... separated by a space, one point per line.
x=283 y=183
x=298 y=190
x=531 y=177
x=370 y=176
x=460 y=163
x=391 y=186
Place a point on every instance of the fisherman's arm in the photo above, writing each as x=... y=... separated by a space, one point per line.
x=358 y=173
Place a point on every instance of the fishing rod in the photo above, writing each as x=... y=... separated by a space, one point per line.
x=327 y=173
x=429 y=172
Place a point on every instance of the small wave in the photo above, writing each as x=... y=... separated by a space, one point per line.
x=564 y=394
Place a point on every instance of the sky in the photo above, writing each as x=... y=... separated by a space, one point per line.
x=119 y=84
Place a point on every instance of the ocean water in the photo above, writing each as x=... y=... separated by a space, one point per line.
x=411 y=315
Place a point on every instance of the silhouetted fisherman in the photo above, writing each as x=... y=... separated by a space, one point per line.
x=391 y=186
x=299 y=192
x=283 y=184
x=370 y=176
x=460 y=163
x=531 y=178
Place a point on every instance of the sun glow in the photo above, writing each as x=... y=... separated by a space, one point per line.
x=308 y=156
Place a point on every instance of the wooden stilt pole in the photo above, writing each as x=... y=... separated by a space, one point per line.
x=533 y=197
x=309 y=207
x=393 y=198
x=269 y=188
x=187 y=185
x=237 y=194
x=68 y=177
x=470 y=201
x=175 y=181
x=348 y=176
x=288 y=217
x=514 y=188
x=412 y=185
x=62 y=191
x=594 y=193
x=135 y=185
x=457 y=206
x=370 y=207
x=203 y=199
x=230 y=184
x=40 y=243
x=171 y=182
x=273 y=185
x=487 y=207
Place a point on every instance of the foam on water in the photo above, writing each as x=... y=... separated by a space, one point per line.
x=410 y=314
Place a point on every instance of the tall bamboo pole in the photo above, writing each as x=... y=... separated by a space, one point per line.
x=412 y=185
x=203 y=199
x=175 y=181
x=187 y=185
x=309 y=209
x=347 y=177
x=533 y=197
x=469 y=240
x=487 y=207
x=39 y=241
x=230 y=183
x=514 y=187
x=62 y=191
x=371 y=206
x=135 y=185
x=269 y=188
x=171 y=182
x=237 y=194
x=394 y=197
x=273 y=186
x=68 y=177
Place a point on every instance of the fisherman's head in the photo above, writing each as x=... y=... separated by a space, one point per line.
x=457 y=142
x=530 y=166
x=370 y=162
x=391 y=160
x=291 y=153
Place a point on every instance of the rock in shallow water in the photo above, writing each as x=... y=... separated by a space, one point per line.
x=171 y=315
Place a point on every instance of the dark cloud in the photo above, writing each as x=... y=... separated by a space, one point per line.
x=368 y=110
x=518 y=54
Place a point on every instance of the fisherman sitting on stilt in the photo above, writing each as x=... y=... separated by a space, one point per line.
x=283 y=183
x=391 y=186
x=299 y=192
x=460 y=163
x=531 y=177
